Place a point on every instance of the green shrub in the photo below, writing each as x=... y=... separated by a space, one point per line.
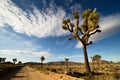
x=54 y=70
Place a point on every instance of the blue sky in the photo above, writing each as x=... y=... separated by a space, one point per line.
x=30 y=29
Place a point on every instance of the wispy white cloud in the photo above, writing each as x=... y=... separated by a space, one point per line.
x=76 y=7
x=109 y=25
x=26 y=53
x=11 y=40
x=36 y=23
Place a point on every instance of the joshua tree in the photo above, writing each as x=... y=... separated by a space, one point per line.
x=20 y=62
x=66 y=61
x=93 y=59
x=82 y=34
x=42 y=59
x=14 y=60
x=97 y=58
x=0 y=59
x=3 y=60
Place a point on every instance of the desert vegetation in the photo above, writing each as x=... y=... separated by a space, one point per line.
x=105 y=71
x=8 y=67
x=42 y=59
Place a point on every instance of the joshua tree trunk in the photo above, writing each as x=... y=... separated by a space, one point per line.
x=93 y=64
x=67 y=66
x=41 y=64
x=86 y=60
x=67 y=70
x=98 y=63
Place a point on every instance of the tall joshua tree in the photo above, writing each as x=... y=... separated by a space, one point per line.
x=42 y=59
x=14 y=60
x=82 y=34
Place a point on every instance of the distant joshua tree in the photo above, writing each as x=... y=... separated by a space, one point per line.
x=3 y=60
x=42 y=59
x=97 y=58
x=14 y=60
x=82 y=34
x=0 y=59
x=66 y=61
x=20 y=62
x=93 y=59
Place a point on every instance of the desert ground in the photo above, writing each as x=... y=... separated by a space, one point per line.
x=28 y=73
x=56 y=71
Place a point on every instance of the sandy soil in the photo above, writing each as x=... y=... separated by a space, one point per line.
x=28 y=73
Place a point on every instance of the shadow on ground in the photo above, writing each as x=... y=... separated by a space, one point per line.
x=10 y=73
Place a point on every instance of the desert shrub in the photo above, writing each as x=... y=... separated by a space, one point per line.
x=69 y=73
x=54 y=70
x=8 y=69
x=60 y=69
x=47 y=68
x=61 y=76
x=116 y=68
x=116 y=76
x=46 y=72
x=77 y=74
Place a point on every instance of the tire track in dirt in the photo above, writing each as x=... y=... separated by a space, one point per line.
x=26 y=73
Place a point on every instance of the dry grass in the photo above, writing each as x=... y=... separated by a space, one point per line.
x=8 y=68
x=108 y=71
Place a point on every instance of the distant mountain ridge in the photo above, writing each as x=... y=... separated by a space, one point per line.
x=53 y=63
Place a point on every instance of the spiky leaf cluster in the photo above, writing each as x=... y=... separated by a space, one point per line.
x=67 y=25
x=68 y=20
x=76 y=15
x=64 y=27
x=90 y=20
x=64 y=22
x=72 y=25
x=84 y=26
x=42 y=58
x=97 y=57
x=86 y=13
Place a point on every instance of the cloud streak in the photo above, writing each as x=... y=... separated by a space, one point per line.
x=20 y=52
x=36 y=23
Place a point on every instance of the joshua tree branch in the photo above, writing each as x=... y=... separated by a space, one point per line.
x=80 y=30
x=89 y=43
x=71 y=30
x=95 y=32
x=76 y=28
x=78 y=38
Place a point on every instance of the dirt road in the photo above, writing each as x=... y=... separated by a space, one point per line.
x=28 y=73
